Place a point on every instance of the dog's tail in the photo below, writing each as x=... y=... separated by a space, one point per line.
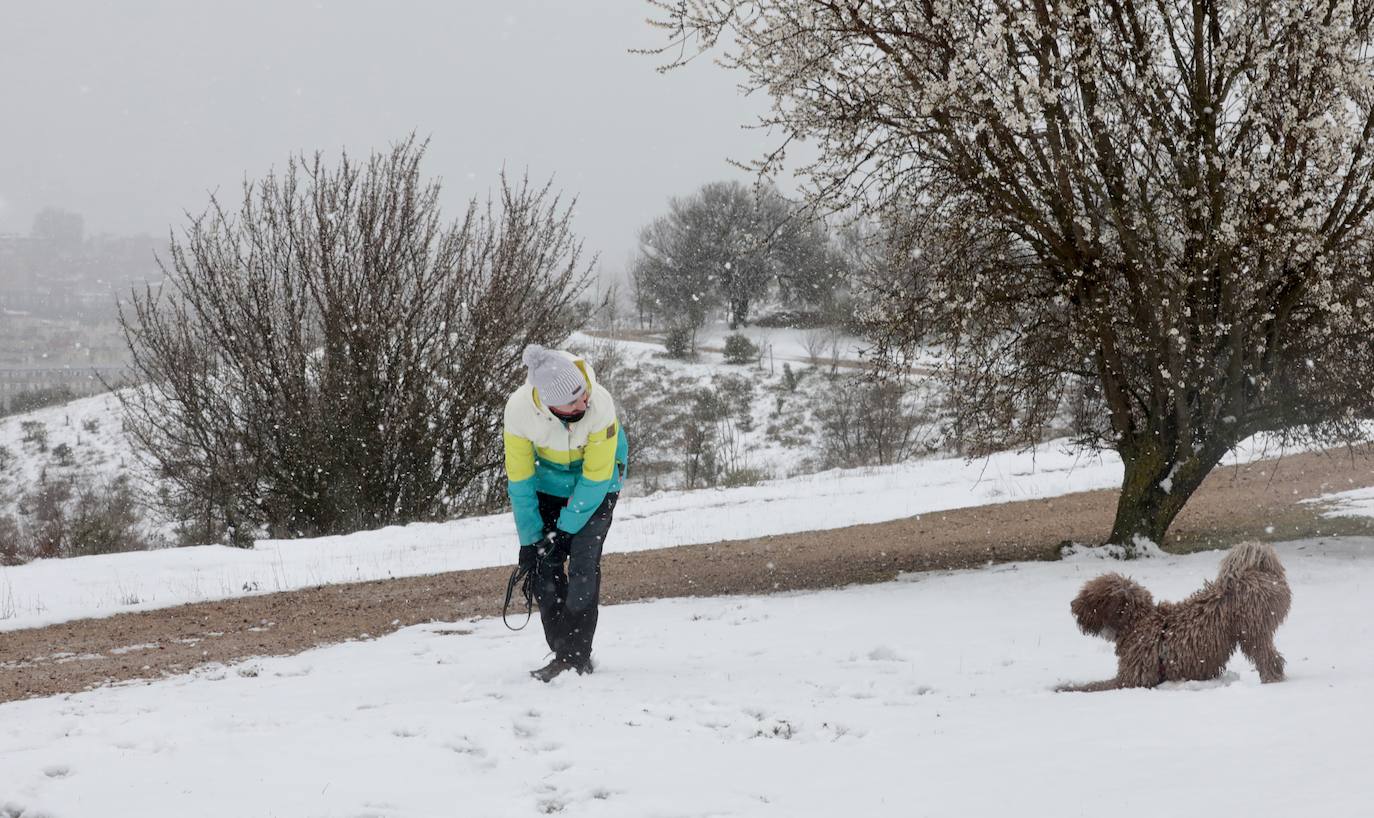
x=1250 y=556
x=1252 y=577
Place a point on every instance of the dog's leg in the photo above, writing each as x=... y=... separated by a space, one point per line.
x=1259 y=649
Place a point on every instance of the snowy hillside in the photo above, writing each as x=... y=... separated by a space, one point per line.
x=84 y=437
x=929 y=696
x=51 y=457
x=795 y=408
x=764 y=427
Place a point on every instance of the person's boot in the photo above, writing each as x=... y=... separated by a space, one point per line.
x=547 y=673
x=561 y=665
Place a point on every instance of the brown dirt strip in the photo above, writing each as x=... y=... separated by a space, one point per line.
x=1260 y=500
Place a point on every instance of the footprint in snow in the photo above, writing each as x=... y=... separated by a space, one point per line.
x=57 y=771
x=465 y=746
x=839 y=731
x=292 y=672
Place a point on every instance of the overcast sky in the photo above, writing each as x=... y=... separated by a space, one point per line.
x=130 y=112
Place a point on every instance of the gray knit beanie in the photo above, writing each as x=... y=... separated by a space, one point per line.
x=555 y=376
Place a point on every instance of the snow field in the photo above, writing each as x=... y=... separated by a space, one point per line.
x=929 y=696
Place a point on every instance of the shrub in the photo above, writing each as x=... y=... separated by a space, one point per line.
x=70 y=518
x=62 y=453
x=870 y=425
x=46 y=506
x=678 y=342
x=736 y=394
x=35 y=432
x=793 y=319
x=735 y=478
x=369 y=391
x=740 y=350
x=700 y=436
x=12 y=550
x=104 y=520
x=606 y=358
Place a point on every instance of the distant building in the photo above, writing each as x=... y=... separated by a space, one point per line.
x=58 y=272
x=59 y=291
x=82 y=381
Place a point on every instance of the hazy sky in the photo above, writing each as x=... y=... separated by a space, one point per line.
x=130 y=112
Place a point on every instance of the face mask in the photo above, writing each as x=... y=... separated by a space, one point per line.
x=573 y=418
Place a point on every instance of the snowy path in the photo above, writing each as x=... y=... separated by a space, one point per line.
x=921 y=697
x=49 y=591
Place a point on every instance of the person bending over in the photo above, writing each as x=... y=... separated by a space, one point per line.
x=565 y=464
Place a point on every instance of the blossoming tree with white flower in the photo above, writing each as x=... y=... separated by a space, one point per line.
x=1160 y=208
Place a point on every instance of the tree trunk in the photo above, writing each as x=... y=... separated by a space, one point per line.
x=739 y=312
x=1156 y=485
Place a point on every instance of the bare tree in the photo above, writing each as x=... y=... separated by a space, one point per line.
x=814 y=342
x=874 y=425
x=334 y=356
x=1170 y=201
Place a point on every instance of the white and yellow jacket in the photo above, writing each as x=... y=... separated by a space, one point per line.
x=582 y=461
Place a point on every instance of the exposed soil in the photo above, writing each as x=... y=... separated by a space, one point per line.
x=1256 y=501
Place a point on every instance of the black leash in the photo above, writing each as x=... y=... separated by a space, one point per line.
x=524 y=577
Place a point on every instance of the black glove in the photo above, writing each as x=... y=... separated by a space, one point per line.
x=556 y=541
x=529 y=555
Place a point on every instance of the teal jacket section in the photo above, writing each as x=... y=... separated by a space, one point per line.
x=584 y=495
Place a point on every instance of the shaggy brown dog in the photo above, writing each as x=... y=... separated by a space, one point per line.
x=1190 y=640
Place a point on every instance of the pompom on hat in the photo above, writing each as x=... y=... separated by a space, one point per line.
x=555 y=376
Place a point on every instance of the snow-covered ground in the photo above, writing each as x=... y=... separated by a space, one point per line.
x=929 y=696
x=786 y=343
x=88 y=427
x=47 y=591
x=83 y=438
x=926 y=696
x=1355 y=503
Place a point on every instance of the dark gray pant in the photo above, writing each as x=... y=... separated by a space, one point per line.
x=568 y=596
